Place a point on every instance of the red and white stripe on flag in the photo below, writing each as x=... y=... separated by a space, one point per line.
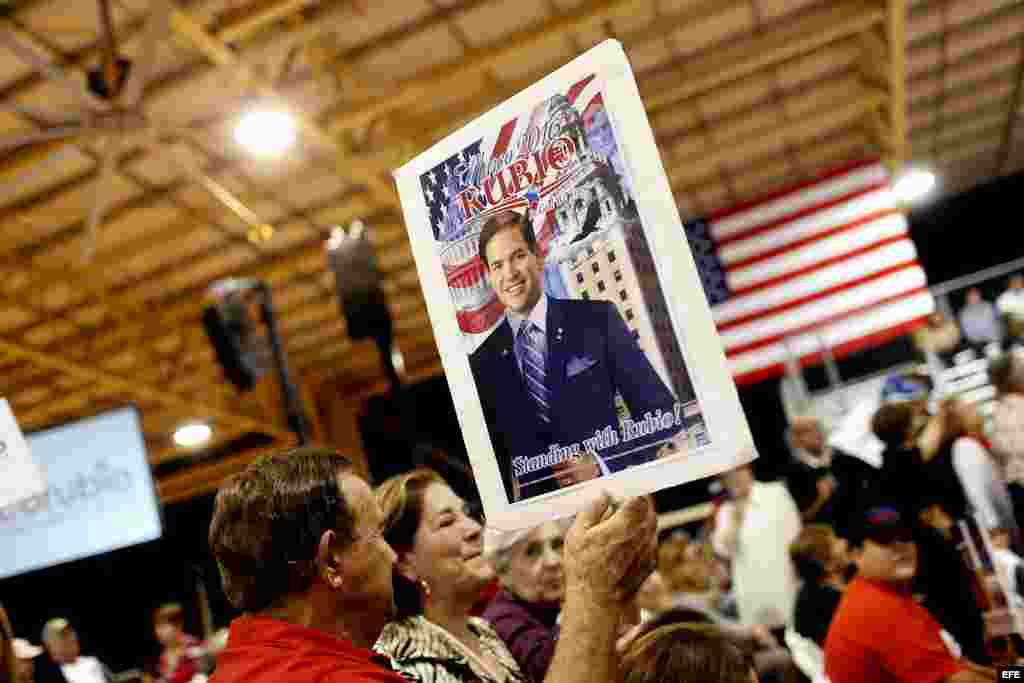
x=827 y=263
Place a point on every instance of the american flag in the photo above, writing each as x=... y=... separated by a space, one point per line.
x=828 y=263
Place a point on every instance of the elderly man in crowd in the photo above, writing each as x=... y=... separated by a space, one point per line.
x=67 y=664
x=826 y=482
x=298 y=540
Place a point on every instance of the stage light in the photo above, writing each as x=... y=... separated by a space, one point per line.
x=192 y=434
x=266 y=132
x=914 y=185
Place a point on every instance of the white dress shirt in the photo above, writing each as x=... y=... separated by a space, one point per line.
x=765 y=581
x=84 y=670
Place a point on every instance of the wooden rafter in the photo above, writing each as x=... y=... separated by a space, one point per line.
x=896 y=18
x=133 y=388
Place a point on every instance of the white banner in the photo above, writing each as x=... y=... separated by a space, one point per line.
x=20 y=476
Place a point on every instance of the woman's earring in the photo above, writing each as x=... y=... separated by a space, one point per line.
x=426 y=588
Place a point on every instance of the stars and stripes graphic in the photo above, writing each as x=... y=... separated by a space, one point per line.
x=456 y=232
x=828 y=263
x=440 y=187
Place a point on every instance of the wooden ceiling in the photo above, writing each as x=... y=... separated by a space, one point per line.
x=744 y=96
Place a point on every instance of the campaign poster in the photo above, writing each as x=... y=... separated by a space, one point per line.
x=573 y=329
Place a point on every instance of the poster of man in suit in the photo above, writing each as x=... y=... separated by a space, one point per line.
x=533 y=236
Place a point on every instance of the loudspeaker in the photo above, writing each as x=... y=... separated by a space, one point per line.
x=358 y=283
x=229 y=327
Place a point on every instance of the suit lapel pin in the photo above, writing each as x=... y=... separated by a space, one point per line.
x=558 y=334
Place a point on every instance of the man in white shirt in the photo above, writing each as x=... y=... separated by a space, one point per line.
x=61 y=642
x=753 y=530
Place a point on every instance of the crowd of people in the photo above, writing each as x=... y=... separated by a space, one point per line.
x=981 y=326
x=840 y=570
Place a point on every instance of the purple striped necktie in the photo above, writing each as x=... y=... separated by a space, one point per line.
x=533 y=356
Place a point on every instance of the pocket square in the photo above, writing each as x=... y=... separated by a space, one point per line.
x=578 y=364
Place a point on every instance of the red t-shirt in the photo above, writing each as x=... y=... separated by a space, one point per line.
x=266 y=650
x=881 y=635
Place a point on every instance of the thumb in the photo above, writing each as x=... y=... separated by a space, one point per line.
x=638 y=509
x=593 y=513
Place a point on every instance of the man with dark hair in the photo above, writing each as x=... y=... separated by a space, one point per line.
x=298 y=540
x=879 y=601
x=549 y=373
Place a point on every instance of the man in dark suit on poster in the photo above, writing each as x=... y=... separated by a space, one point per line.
x=548 y=374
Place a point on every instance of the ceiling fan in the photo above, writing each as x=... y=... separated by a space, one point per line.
x=109 y=104
x=110 y=108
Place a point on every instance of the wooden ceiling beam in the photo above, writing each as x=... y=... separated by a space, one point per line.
x=874 y=58
x=130 y=386
x=1006 y=145
x=116 y=211
x=416 y=332
x=184 y=307
x=357 y=169
x=1002 y=13
x=965 y=118
x=979 y=56
x=475 y=62
x=896 y=35
x=734 y=62
x=423 y=370
x=879 y=131
x=371 y=381
x=990 y=133
x=122 y=302
x=219 y=438
x=982 y=84
x=481 y=60
x=204 y=478
x=244 y=21
x=707 y=162
x=755 y=167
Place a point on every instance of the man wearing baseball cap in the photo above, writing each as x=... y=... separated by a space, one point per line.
x=880 y=634
x=68 y=665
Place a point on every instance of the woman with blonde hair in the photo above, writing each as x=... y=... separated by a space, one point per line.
x=440 y=573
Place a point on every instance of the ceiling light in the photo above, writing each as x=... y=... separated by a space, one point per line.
x=914 y=185
x=192 y=434
x=266 y=132
x=398 y=360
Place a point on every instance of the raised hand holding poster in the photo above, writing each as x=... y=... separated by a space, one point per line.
x=573 y=329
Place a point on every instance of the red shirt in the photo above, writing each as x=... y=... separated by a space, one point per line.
x=266 y=650
x=881 y=635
